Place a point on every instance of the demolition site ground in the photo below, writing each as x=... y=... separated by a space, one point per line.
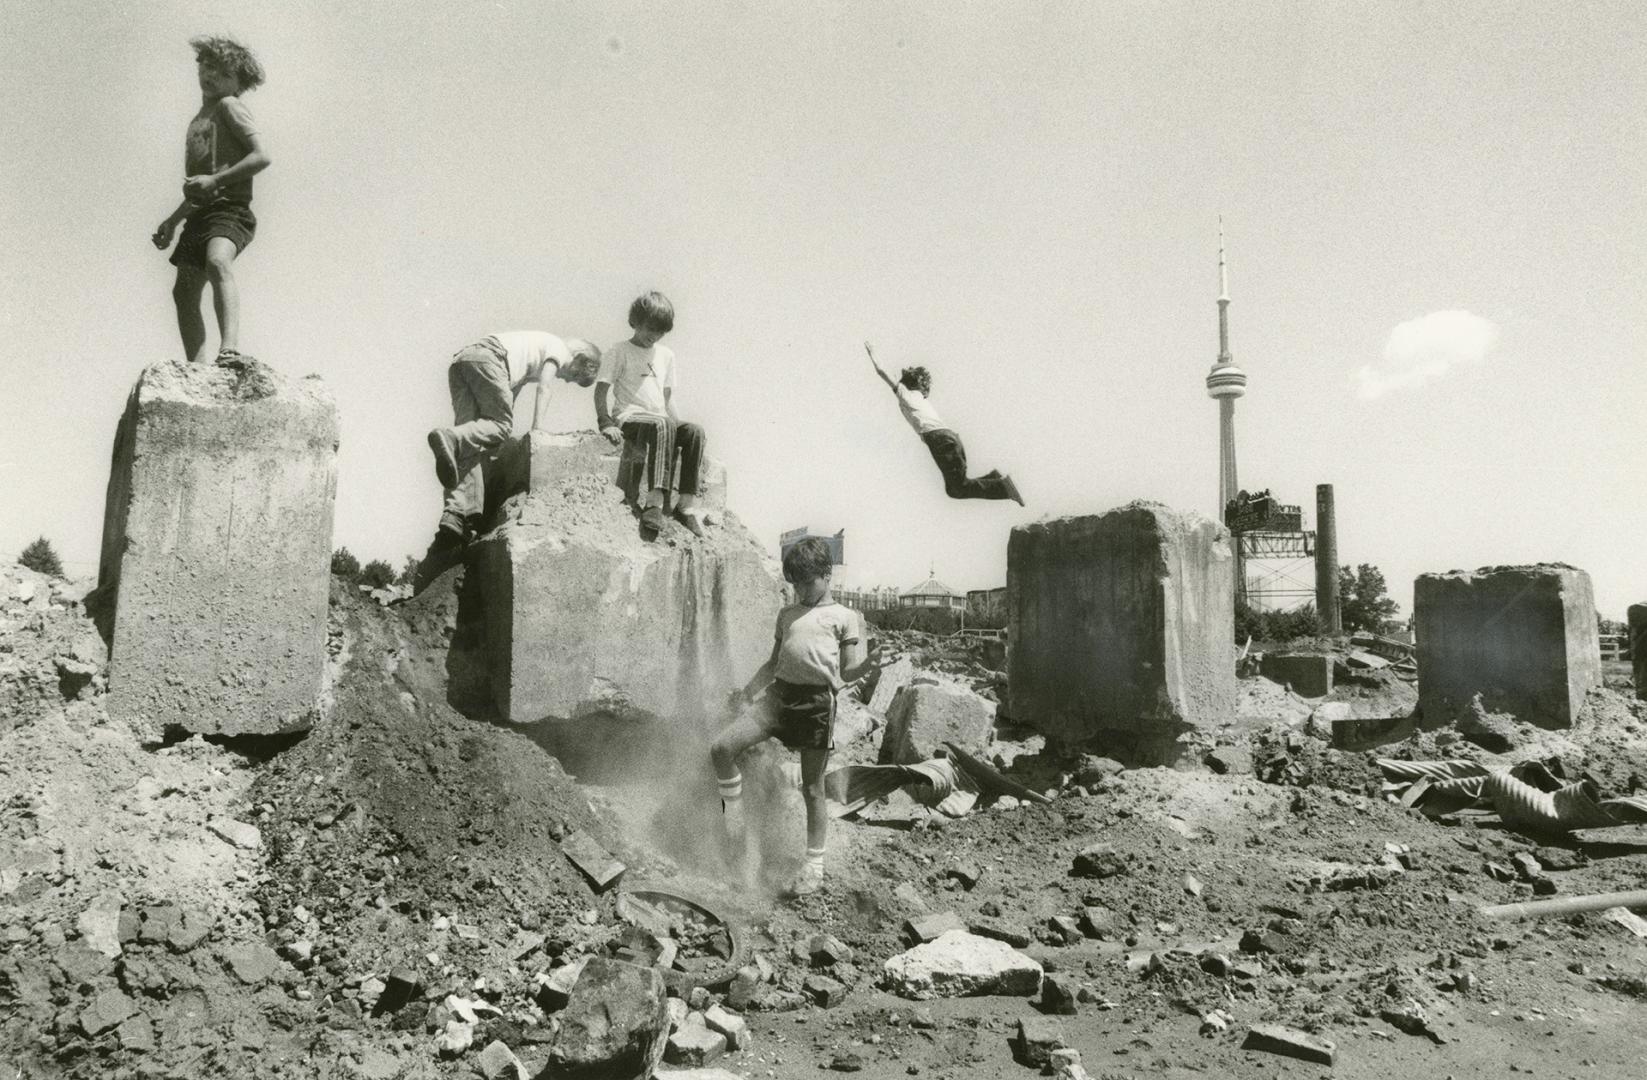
x=387 y=895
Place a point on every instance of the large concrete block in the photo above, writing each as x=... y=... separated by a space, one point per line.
x=217 y=535
x=1637 y=617
x=1523 y=637
x=925 y=716
x=1309 y=674
x=1121 y=629
x=585 y=619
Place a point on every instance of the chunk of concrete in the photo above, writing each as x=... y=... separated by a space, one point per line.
x=216 y=556
x=1120 y=629
x=695 y=1044
x=498 y=1062
x=924 y=928
x=893 y=678
x=960 y=964
x=1289 y=1042
x=924 y=717
x=1309 y=674
x=589 y=624
x=1523 y=637
x=615 y=1024
x=1637 y=616
x=1038 y=1037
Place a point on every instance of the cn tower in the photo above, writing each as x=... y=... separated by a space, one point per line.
x=1225 y=383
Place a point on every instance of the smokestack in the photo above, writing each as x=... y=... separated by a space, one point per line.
x=1326 y=561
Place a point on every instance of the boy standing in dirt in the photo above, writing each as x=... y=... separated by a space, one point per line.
x=222 y=152
x=911 y=389
x=640 y=375
x=818 y=649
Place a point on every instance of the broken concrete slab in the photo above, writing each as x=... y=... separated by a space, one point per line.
x=1119 y=626
x=925 y=717
x=1038 y=1037
x=597 y=864
x=587 y=622
x=216 y=555
x=694 y=1044
x=107 y=1010
x=1523 y=637
x=960 y=964
x=734 y=1027
x=892 y=678
x=1289 y=1042
x=924 y=928
x=1309 y=674
x=498 y=1062
x=616 y=1023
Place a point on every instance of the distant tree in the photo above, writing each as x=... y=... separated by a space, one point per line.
x=1275 y=627
x=378 y=574
x=345 y=565
x=408 y=573
x=42 y=558
x=1364 y=598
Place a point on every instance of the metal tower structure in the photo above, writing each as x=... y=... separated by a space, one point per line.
x=1225 y=383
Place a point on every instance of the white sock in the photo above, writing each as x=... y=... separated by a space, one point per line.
x=732 y=794
x=814 y=859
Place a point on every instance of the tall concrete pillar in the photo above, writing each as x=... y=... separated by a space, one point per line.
x=1120 y=630
x=1638 y=647
x=1326 y=562
x=217 y=537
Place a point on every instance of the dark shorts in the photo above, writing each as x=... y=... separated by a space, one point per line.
x=233 y=220
x=801 y=717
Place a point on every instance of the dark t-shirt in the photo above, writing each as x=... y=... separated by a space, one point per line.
x=220 y=135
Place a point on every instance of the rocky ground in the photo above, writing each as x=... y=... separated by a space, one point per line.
x=391 y=895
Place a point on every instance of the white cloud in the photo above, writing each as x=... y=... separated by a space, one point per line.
x=1420 y=350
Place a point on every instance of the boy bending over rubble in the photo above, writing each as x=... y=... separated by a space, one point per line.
x=484 y=380
x=818 y=650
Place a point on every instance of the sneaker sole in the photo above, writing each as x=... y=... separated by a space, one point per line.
x=445 y=463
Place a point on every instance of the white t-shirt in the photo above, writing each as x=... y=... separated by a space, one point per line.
x=638 y=378
x=528 y=350
x=810 y=640
x=918 y=410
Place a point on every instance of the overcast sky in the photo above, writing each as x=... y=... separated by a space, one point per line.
x=1435 y=215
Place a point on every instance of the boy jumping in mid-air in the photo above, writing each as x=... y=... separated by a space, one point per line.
x=911 y=389
x=221 y=154
x=484 y=380
x=640 y=375
x=817 y=651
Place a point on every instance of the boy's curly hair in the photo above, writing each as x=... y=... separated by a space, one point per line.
x=807 y=559
x=230 y=57
x=916 y=378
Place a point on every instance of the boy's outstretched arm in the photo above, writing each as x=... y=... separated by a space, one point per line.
x=879 y=370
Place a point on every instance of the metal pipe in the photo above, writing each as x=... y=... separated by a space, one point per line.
x=1326 y=561
x=1567 y=905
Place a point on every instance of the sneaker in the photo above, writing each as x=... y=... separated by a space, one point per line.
x=230 y=358
x=689 y=518
x=993 y=474
x=808 y=881
x=652 y=519
x=444 y=444
x=1012 y=490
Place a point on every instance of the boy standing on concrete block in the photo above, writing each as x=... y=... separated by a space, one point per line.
x=221 y=154
x=911 y=389
x=484 y=380
x=640 y=375
x=818 y=649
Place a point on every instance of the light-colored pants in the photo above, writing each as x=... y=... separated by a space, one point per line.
x=483 y=415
